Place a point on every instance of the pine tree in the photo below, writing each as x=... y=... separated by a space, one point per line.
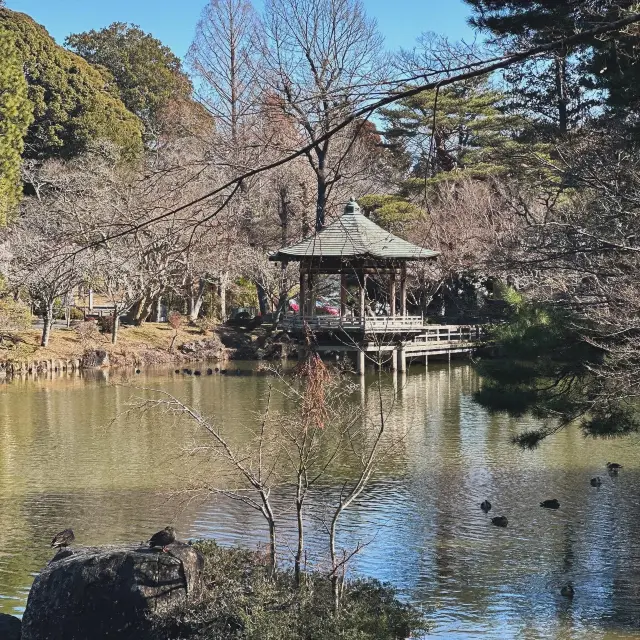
x=16 y=114
x=613 y=67
x=550 y=88
x=467 y=135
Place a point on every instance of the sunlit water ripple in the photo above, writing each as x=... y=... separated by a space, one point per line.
x=65 y=461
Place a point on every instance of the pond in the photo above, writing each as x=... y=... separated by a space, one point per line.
x=70 y=457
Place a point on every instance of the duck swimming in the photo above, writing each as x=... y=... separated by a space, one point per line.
x=614 y=466
x=485 y=506
x=550 y=504
x=596 y=482
x=567 y=591
x=500 y=521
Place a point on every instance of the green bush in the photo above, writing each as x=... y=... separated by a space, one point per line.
x=241 y=602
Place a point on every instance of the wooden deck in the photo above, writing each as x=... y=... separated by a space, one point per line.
x=401 y=338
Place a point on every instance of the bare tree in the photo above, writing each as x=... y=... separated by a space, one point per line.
x=324 y=61
x=39 y=245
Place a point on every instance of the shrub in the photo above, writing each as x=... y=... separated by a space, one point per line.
x=241 y=602
x=175 y=319
x=88 y=332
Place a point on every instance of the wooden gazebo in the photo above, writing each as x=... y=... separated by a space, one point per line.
x=354 y=247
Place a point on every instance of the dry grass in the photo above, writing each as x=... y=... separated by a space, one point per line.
x=65 y=344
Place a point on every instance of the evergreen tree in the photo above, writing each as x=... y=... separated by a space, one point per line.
x=146 y=73
x=16 y=114
x=549 y=88
x=72 y=109
x=548 y=367
x=467 y=135
x=614 y=69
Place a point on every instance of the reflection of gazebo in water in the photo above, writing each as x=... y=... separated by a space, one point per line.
x=354 y=247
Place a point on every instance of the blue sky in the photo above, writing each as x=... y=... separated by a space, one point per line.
x=173 y=22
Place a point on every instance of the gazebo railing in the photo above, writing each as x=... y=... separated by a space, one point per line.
x=368 y=324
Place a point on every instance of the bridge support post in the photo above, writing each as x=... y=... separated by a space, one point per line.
x=394 y=360
x=402 y=359
x=360 y=361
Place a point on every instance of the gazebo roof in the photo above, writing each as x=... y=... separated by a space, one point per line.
x=351 y=236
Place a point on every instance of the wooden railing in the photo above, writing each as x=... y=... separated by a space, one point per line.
x=451 y=333
x=368 y=324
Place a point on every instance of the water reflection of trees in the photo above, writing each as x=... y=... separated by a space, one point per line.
x=63 y=463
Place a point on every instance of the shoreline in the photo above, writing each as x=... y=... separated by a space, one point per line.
x=147 y=345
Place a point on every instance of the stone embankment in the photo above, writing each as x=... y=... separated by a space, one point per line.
x=226 y=343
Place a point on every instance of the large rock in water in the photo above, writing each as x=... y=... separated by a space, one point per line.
x=110 y=592
x=9 y=627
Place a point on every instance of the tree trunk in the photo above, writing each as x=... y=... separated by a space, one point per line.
x=300 y=550
x=47 y=319
x=195 y=301
x=115 y=325
x=306 y=207
x=263 y=299
x=222 y=293
x=136 y=311
x=561 y=89
x=321 y=200
x=157 y=311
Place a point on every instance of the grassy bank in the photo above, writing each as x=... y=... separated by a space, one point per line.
x=240 y=602
x=147 y=344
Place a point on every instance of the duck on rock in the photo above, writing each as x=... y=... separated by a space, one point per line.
x=163 y=538
x=550 y=504
x=63 y=539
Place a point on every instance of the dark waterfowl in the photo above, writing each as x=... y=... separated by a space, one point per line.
x=197 y=373
x=596 y=482
x=486 y=506
x=223 y=371
x=209 y=372
x=177 y=371
x=550 y=504
x=137 y=370
x=500 y=521
x=614 y=466
x=163 y=538
x=217 y=370
x=188 y=371
x=567 y=591
x=63 y=539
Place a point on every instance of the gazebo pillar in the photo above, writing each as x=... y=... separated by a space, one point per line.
x=403 y=290
x=363 y=293
x=311 y=296
x=302 y=307
x=392 y=294
x=343 y=295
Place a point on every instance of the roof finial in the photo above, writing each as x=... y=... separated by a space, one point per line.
x=352 y=206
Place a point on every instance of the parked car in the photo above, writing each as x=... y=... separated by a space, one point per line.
x=326 y=307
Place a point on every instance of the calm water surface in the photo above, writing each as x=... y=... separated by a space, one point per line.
x=69 y=456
